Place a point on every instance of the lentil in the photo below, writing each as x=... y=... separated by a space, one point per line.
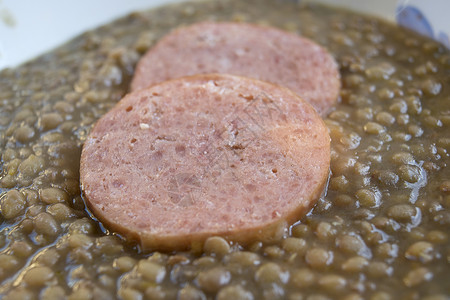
x=332 y=283
x=190 y=293
x=52 y=195
x=271 y=273
x=45 y=224
x=402 y=212
x=354 y=264
x=318 y=258
x=38 y=276
x=12 y=204
x=243 y=258
x=294 y=245
x=53 y=293
x=151 y=271
x=213 y=279
x=217 y=246
x=234 y=292
x=422 y=251
x=379 y=232
x=417 y=276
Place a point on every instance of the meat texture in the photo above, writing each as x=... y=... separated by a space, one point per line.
x=259 y=52
x=205 y=155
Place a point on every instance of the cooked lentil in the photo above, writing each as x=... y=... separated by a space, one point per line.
x=380 y=232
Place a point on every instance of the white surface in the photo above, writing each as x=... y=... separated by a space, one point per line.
x=437 y=12
x=433 y=13
x=40 y=25
x=380 y=8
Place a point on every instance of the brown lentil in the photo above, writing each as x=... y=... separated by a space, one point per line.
x=354 y=264
x=38 y=276
x=216 y=246
x=53 y=293
x=294 y=245
x=271 y=273
x=417 y=276
x=402 y=212
x=421 y=251
x=21 y=248
x=243 y=258
x=318 y=258
x=130 y=294
x=52 y=195
x=151 y=271
x=234 y=292
x=332 y=283
x=212 y=280
x=12 y=204
x=379 y=232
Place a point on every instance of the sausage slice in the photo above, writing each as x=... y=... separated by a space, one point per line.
x=205 y=155
x=263 y=53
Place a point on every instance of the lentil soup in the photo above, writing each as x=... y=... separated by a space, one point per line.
x=380 y=231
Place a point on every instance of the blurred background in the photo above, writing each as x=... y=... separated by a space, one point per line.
x=29 y=27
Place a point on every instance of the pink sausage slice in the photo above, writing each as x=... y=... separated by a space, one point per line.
x=190 y=158
x=263 y=53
